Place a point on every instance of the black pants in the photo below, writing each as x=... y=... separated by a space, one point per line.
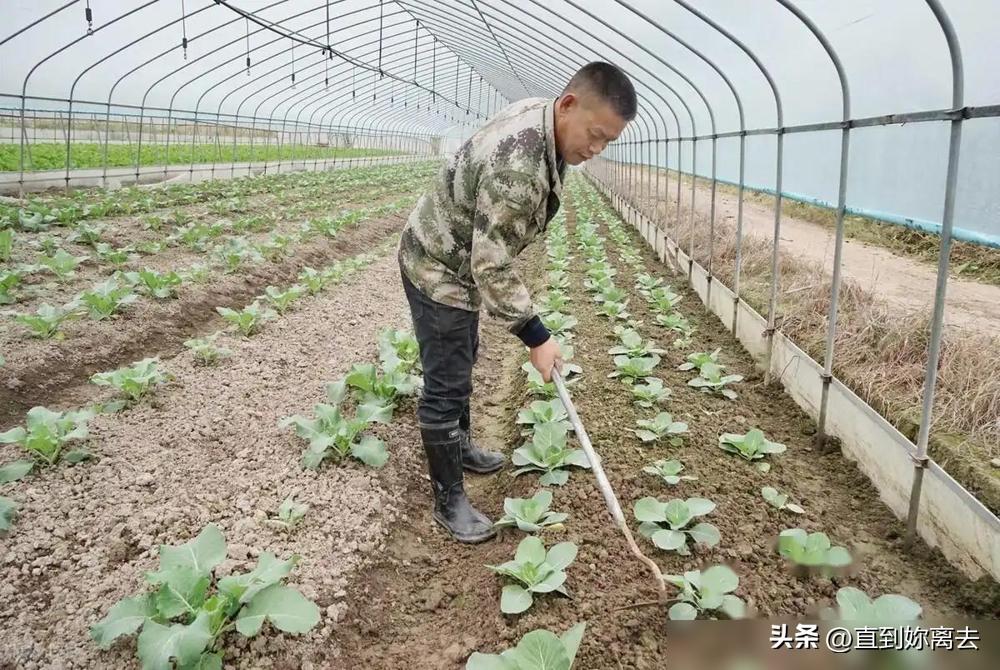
x=449 y=346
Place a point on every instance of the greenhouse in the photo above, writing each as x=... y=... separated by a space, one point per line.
x=490 y=334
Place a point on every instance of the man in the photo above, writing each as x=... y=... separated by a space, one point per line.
x=492 y=198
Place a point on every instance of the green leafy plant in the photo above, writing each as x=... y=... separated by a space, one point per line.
x=631 y=369
x=538 y=386
x=106 y=298
x=750 y=446
x=530 y=514
x=86 y=234
x=669 y=471
x=381 y=391
x=558 y=279
x=632 y=345
x=197 y=273
x=11 y=472
x=611 y=294
x=8 y=510
x=541 y=412
x=248 y=320
x=547 y=452
x=855 y=605
x=189 y=611
x=538 y=650
x=235 y=252
x=44 y=436
x=8 y=280
x=553 y=301
x=676 y=322
x=614 y=310
x=666 y=523
x=133 y=381
x=61 y=264
x=398 y=350
x=156 y=284
x=699 y=359
x=48 y=319
x=204 y=349
x=711 y=380
x=108 y=254
x=560 y=324
x=812 y=550
x=663 y=300
x=314 y=280
x=275 y=247
x=707 y=592
x=6 y=244
x=333 y=435
x=780 y=500
x=282 y=300
x=646 y=282
x=650 y=393
x=536 y=571
x=659 y=427
x=289 y=514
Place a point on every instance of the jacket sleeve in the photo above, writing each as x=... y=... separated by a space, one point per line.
x=505 y=203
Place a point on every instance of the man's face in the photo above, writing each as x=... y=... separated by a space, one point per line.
x=585 y=124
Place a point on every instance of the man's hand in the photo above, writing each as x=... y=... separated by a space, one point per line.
x=546 y=356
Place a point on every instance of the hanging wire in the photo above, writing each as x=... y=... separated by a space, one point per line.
x=90 y=19
x=457 y=63
x=326 y=63
x=434 y=53
x=468 y=102
x=416 y=36
x=479 y=106
x=247 y=21
x=381 y=11
x=184 y=35
x=354 y=88
x=293 y=64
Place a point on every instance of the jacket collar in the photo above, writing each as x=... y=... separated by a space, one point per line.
x=549 y=125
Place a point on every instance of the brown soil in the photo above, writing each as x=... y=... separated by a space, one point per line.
x=206 y=448
x=430 y=602
x=39 y=371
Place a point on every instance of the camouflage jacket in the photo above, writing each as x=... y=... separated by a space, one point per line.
x=492 y=198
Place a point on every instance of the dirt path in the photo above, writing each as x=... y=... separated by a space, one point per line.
x=207 y=449
x=898 y=280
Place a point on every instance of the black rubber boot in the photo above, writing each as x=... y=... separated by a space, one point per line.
x=451 y=508
x=475 y=459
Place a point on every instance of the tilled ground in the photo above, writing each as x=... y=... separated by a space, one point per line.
x=431 y=602
x=206 y=448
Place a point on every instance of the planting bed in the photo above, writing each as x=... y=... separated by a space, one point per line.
x=208 y=446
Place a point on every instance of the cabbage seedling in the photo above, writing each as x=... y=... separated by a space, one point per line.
x=108 y=254
x=540 y=412
x=669 y=471
x=133 y=381
x=290 y=514
x=205 y=350
x=8 y=510
x=632 y=344
x=659 y=427
x=663 y=299
x=531 y=514
x=632 y=369
x=699 y=359
x=44 y=436
x=314 y=280
x=8 y=280
x=6 y=244
x=558 y=279
x=646 y=283
x=249 y=320
x=614 y=310
x=553 y=301
x=106 y=298
x=282 y=300
x=86 y=234
x=381 y=391
x=47 y=319
x=61 y=264
x=560 y=324
x=812 y=550
x=536 y=571
x=650 y=393
x=711 y=380
x=333 y=435
x=156 y=284
x=189 y=610
x=548 y=453
x=612 y=294
x=665 y=523
x=538 y=646
x=750 y=446
x=706 y=593
x=676 y=322
x=398 y=350
x=780 y=500
x=855 y=605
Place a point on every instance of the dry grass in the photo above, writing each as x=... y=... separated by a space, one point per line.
x=880 y=349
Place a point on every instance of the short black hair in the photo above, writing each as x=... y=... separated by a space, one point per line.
x=610 y=83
